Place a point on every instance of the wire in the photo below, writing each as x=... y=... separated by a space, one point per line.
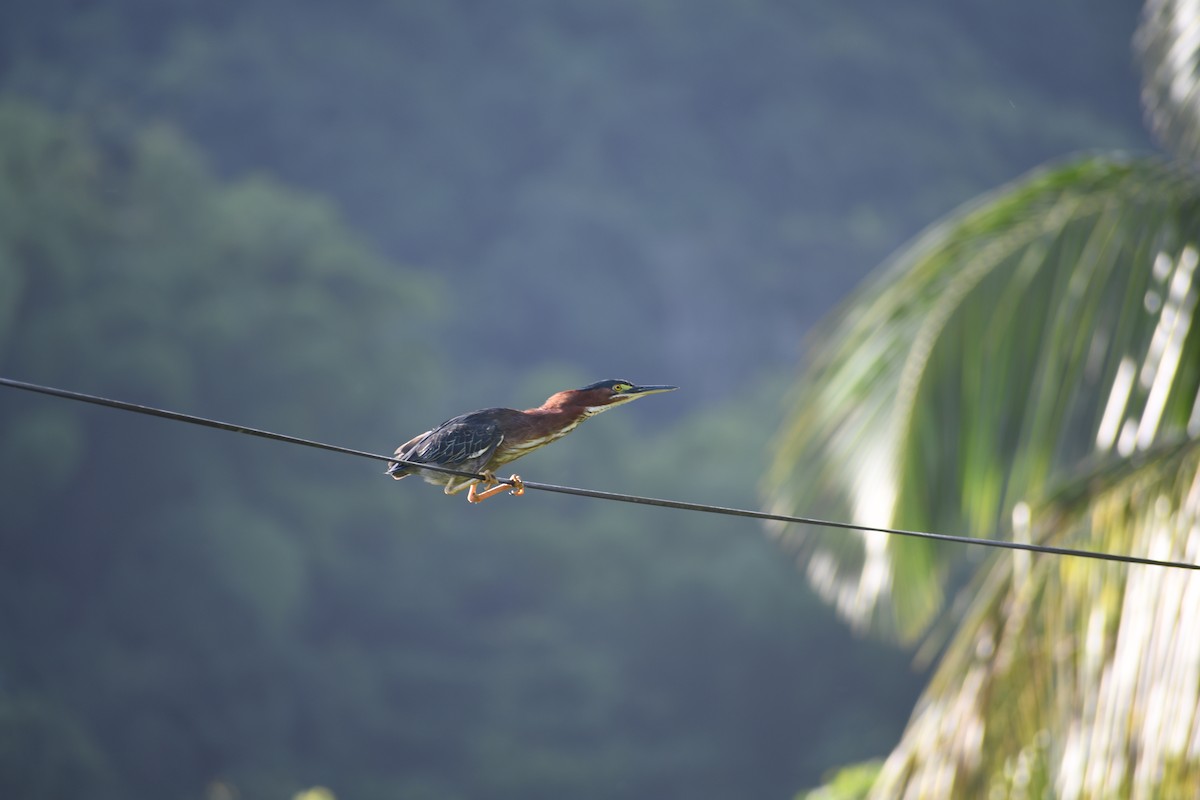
x=592 y=493
x=177 y=416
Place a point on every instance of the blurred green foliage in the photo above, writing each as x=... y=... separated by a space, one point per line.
x=1029 y=367
x=205 y=206
x=687 y=184
x=180 y=609
x=847 y=783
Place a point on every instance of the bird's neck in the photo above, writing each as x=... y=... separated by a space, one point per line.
x=563 y=412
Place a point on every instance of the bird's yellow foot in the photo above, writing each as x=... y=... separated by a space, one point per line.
x=513 y=484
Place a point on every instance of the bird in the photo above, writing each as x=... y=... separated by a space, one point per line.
x=483 y=441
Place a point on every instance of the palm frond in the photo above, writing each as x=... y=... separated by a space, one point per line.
x=1168 y=48
x=1074 y=679
x=1041 y=330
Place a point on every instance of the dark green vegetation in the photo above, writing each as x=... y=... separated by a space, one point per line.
x=647 y=187
x=208 y=208
x=180 y=606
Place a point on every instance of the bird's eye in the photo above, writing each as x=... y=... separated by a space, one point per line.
x=621 y=387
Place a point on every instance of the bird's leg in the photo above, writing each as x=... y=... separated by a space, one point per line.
x=513 y=484
x=489 y=479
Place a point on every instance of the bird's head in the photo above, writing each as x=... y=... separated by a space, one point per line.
x=597 y=397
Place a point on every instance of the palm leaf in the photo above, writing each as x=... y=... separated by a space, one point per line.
x=1168 y=49
x=1074 y=679
x=1044 y=330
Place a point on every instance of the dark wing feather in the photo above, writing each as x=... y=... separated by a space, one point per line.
x=467 y=441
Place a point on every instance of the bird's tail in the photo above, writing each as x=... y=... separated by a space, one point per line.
x=398 y=469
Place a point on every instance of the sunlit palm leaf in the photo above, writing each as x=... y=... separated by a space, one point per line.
x=1168 y=47
x=1074 y=679
x=1041 y=330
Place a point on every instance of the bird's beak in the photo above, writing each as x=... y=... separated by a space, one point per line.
x=640 y=390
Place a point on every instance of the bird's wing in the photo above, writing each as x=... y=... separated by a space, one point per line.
x=462 y=440
x=404 y=448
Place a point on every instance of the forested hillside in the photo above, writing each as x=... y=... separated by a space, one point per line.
x=183 y=610
x=640 y=185
x=350 y=222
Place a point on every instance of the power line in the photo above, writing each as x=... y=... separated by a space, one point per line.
x=177 y=416
x=677 y=505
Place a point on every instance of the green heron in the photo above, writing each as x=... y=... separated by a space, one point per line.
x=483 y=441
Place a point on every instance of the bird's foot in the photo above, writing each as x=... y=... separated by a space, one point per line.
x=495 y=487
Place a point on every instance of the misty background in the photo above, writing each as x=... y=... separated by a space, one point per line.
x=351 y=222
